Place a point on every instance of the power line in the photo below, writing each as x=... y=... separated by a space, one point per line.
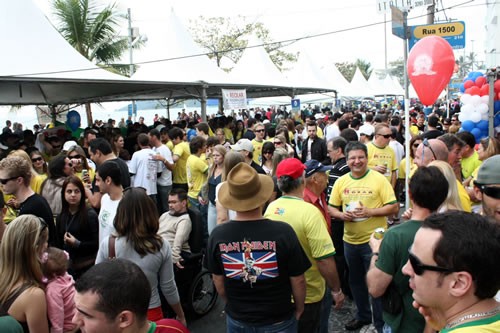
x=291 y=40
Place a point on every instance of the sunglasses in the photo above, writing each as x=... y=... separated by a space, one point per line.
x=420 y=268
x=493 y=192
x=428 y=145
x=261 y=130
x=267 y=152
x=277 y=143
x=5 y=181
x=386 y=136
x=415 y=145
x=75 y=156
x=37 y=159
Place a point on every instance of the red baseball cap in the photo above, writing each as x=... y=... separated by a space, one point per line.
x=291 y=167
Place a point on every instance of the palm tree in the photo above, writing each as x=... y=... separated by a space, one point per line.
x=92 y=31
x=364 y=67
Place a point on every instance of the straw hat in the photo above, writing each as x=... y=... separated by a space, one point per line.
x=244 y=189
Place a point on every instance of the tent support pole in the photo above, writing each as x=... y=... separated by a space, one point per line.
x=204 y=102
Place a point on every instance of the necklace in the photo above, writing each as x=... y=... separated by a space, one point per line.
x=473 y=316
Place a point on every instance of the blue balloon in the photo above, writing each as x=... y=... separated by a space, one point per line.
x=482 y=125
x=496 y=106
x=476 y=132
x=496 y=121
x=462 y=88
x=468 y=125
x=475 y=75
x=73 y=120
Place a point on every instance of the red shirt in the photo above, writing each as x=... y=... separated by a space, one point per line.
x=320 y=203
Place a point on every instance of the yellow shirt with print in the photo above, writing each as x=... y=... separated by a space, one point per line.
x=464 y=197
x=469 y=164
x=382 y=156
x=179 y=173
x=310 y=227
x=257 y=151
x=196 y=171
x=373 y=191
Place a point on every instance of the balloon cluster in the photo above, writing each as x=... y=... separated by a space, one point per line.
x=475 y=99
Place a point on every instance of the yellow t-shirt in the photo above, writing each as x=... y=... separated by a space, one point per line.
x=382 y=156
x=486 y=325
x=464 y=197
x=196 y=171
x=179 y=172
x=91 y=173
x=310 y=227
x=228 y=134
x=319 y=132
x=373 y=191
x=402 y=168
x=469 y=164
x=257 y=151
x=36 y=182
x=170 y=145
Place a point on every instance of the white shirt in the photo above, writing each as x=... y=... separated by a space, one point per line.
x=166 y=175
x=107 y=216
x=145 y=170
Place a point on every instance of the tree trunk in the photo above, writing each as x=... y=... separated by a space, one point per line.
x=88 y=109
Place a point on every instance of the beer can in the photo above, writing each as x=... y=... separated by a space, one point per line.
x=379 y=233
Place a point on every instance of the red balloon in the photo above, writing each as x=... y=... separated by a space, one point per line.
x=430 y=66
x=480 y=81
x=497 y=86
x=474 y=91
x=484 y=90
x=468 y=84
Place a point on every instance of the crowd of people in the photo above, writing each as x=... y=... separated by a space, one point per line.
x=292 y=207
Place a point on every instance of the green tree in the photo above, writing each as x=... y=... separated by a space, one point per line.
x=227 y=37
x=365 y=67
x=347 y=69
x=93 y=31
x=397 y=69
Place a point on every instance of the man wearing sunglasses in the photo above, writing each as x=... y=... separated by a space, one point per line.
x=428 y=189
x=381 y=156
x=487 y=187
x=453 y=268
x=258 y=142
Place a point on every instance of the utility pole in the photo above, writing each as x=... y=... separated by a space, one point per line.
x=430 y=12
x=130 y=53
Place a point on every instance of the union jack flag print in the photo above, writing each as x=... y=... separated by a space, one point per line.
x=259 y=265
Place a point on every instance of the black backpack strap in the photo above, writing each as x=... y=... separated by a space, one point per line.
x=4 y=308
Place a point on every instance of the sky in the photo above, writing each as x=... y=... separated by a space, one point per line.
x=341 y=23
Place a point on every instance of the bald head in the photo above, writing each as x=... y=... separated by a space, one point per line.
x=436 y=150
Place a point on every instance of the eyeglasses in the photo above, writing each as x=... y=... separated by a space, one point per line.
x=75 y=156
x=420 y=268
x=386 y=136
x=428 y=145
x=36 y=159
x=261 y=130
x=5 y=181
x=493 y=192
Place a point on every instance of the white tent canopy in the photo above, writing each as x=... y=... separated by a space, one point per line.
x=358 y=88
x=306 y=74
x=174 y=43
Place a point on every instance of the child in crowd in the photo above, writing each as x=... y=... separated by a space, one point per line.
x=60 y=290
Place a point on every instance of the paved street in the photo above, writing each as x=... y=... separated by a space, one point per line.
x=214 y=322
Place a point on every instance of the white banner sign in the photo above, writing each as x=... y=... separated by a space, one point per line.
x=384 y=6
x=234 y=99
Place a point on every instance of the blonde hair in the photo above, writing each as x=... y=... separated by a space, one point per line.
x=17 y=165
x=279 y=155
x=221 y=150
x=230 y=160
x=19 y=254
x=452 y=201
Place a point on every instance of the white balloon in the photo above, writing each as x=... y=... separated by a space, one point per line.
x=463 y=116
x=485 y=99
x=482 y=108
x=484 y=116
x=465 y=98
x=467 y=108
x=475 y=117
x=475 y=100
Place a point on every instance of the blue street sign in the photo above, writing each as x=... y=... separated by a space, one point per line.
x=452 y=32
x=295 y=104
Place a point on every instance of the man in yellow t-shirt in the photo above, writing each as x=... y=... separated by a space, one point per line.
x=381 y=156
x=363 y=199
x=180 y=154
x=454 y=280
x=470 y=158
x=197 y=176
x=311 y=229
x=258 y=142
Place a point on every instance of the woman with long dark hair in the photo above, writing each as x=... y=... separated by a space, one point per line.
x=136 y=223
x=77 y=227
x=60 y=167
